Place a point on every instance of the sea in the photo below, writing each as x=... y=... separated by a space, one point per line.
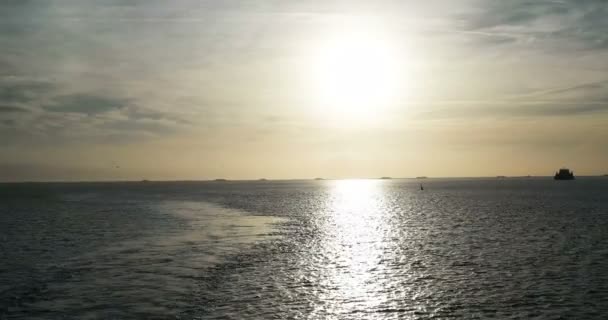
x=478 y=248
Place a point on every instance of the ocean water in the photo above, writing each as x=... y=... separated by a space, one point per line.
x=343 y=249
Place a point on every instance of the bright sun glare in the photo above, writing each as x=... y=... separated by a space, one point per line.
x=355 y=71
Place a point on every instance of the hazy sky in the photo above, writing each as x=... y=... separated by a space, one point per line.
x=247 y=89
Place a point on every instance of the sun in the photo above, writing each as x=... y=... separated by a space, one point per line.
x=355 y=73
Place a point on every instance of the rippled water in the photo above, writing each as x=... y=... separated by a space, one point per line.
x=349 y=249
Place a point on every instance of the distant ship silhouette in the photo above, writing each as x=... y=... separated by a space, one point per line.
x=564 y=174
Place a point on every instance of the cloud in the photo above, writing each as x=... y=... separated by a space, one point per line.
x=11 y=109
x=543 y=20
x=534 y=99
x=513 y=109
x=8 y=122
x=88 y=104
x=514 y=12
x=15 y=90
x=591 y=86
x=140 y=113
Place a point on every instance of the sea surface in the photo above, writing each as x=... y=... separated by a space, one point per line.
x=334 y=249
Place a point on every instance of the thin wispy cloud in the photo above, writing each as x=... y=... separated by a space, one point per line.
x=11 y=109
x=578 y=22
x=86 y=104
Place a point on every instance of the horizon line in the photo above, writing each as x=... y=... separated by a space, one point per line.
x=219 y=180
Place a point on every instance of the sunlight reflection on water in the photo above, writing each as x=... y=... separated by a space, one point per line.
x=354 y=234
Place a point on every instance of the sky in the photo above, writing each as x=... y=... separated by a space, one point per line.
x=127 y=90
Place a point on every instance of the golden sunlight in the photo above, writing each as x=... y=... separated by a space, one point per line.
x=355 y=72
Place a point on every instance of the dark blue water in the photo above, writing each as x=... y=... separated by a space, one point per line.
x=350 y=249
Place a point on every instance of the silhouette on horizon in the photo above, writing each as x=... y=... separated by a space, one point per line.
x=564 y=174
